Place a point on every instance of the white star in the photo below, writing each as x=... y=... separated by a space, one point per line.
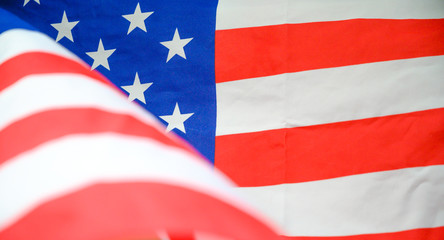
x=136 y=90
x=27 y=1
x=64 y=28
x=176 y=120
x=176 y=45
x=137 y=19
x=100 y=56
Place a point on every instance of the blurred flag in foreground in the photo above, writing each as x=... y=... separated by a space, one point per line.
x=328 y=113
x=79 y=161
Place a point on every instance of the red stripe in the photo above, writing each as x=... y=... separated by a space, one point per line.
x=333 y=150
x=29 y=63
x=263 y=51
x=135 y=211
x=415 y=234
x=32 y=131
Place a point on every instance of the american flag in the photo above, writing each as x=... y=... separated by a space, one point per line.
x=327 y=113
x=80 y=161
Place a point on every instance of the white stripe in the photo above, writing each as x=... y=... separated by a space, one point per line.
x=330 y=95
x=18 y=41
x=369 y=203
x=71 y=163
x=36 y=93
x=252 y=13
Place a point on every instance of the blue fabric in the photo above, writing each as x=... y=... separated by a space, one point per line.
x=189 y=82
x=10 y=21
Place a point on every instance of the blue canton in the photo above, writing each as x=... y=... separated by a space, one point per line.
x=160 y=53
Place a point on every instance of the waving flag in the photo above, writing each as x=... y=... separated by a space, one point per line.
x=329 y=114
x=79 y=161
